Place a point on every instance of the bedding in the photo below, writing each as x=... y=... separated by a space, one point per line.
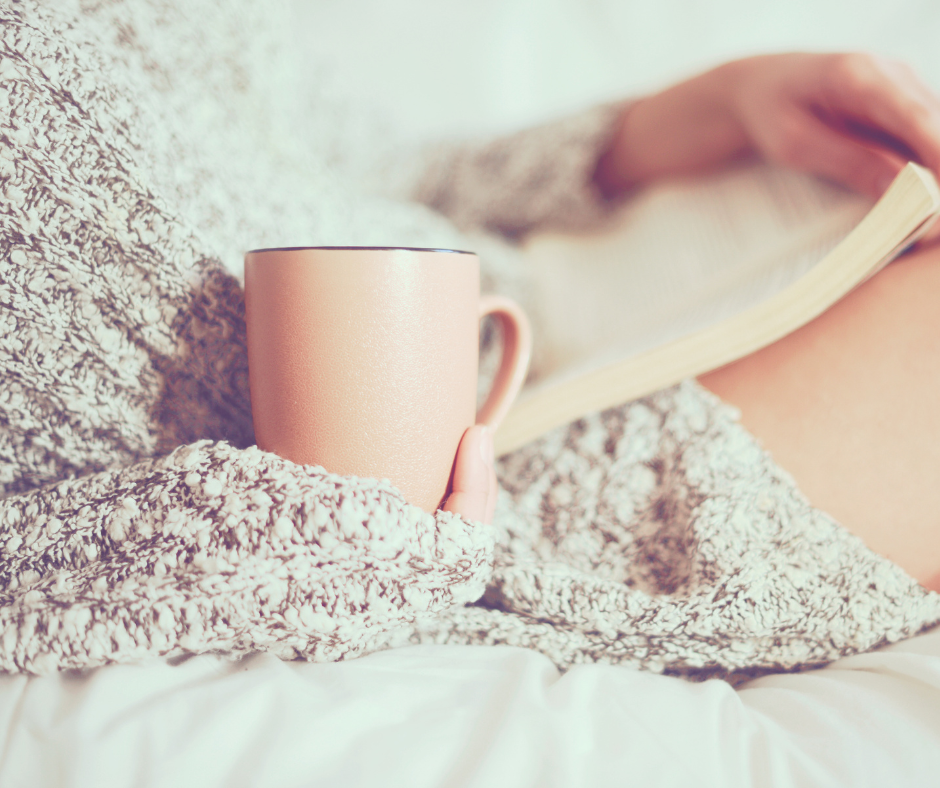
x=143 y=145
x=473 y=717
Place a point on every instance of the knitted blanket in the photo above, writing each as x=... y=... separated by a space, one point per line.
x=138 y=520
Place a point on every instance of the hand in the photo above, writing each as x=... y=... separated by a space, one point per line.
x=855 y=119
x=852 y=118
x=473 y=495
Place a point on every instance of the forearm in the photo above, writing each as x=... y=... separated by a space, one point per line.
x=687 y=128
x=559 y=174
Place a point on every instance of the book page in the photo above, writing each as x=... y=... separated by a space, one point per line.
x=678 y=257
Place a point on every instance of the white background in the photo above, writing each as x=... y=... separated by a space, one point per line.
x=440 y=67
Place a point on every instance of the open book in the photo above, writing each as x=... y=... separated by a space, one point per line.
x=693 y=275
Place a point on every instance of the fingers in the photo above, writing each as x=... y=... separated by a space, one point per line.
x=853 y=118
x=807 y=143
x=474 y=488
x=889 y=98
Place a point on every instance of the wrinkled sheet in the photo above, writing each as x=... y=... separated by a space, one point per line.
x=473 y=716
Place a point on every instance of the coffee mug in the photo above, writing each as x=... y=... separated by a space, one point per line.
x=364 y=360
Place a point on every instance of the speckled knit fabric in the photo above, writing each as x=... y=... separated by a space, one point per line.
x=216 y=548
x=143 y=147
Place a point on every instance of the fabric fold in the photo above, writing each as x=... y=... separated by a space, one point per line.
x=214 y=548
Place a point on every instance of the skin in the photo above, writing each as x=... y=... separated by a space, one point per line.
x=474 y=486
x=852 y=118
x=848 y=403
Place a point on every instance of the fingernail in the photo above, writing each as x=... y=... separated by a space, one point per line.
x=486 y=446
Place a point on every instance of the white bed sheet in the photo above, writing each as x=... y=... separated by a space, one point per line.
x=473 y=716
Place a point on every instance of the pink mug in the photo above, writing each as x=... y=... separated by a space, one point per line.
x=364 y=360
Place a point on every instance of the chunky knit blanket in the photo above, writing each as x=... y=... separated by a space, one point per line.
x=143 y=147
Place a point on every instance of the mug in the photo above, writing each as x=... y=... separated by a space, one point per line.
x=364 y=360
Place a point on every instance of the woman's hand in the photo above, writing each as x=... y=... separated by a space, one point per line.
x=473 y=494
x=853 y=118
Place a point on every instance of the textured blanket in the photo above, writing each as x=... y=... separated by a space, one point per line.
x=136 y=142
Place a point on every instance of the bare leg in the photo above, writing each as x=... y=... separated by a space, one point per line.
x=850 y=406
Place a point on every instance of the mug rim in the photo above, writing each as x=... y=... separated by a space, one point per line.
x=358 y=249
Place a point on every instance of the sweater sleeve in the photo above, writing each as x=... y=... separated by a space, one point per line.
x=214 y=548
x=136 y=518
x=538 y=178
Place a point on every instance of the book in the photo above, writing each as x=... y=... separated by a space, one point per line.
x=692 y=275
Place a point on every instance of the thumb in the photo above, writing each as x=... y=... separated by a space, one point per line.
x=474 y=486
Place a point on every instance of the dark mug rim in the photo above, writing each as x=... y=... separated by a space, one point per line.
x=358 y=249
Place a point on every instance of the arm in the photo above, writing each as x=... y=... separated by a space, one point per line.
x=851 y=118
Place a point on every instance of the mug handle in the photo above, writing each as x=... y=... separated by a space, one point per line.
x=517 y=350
